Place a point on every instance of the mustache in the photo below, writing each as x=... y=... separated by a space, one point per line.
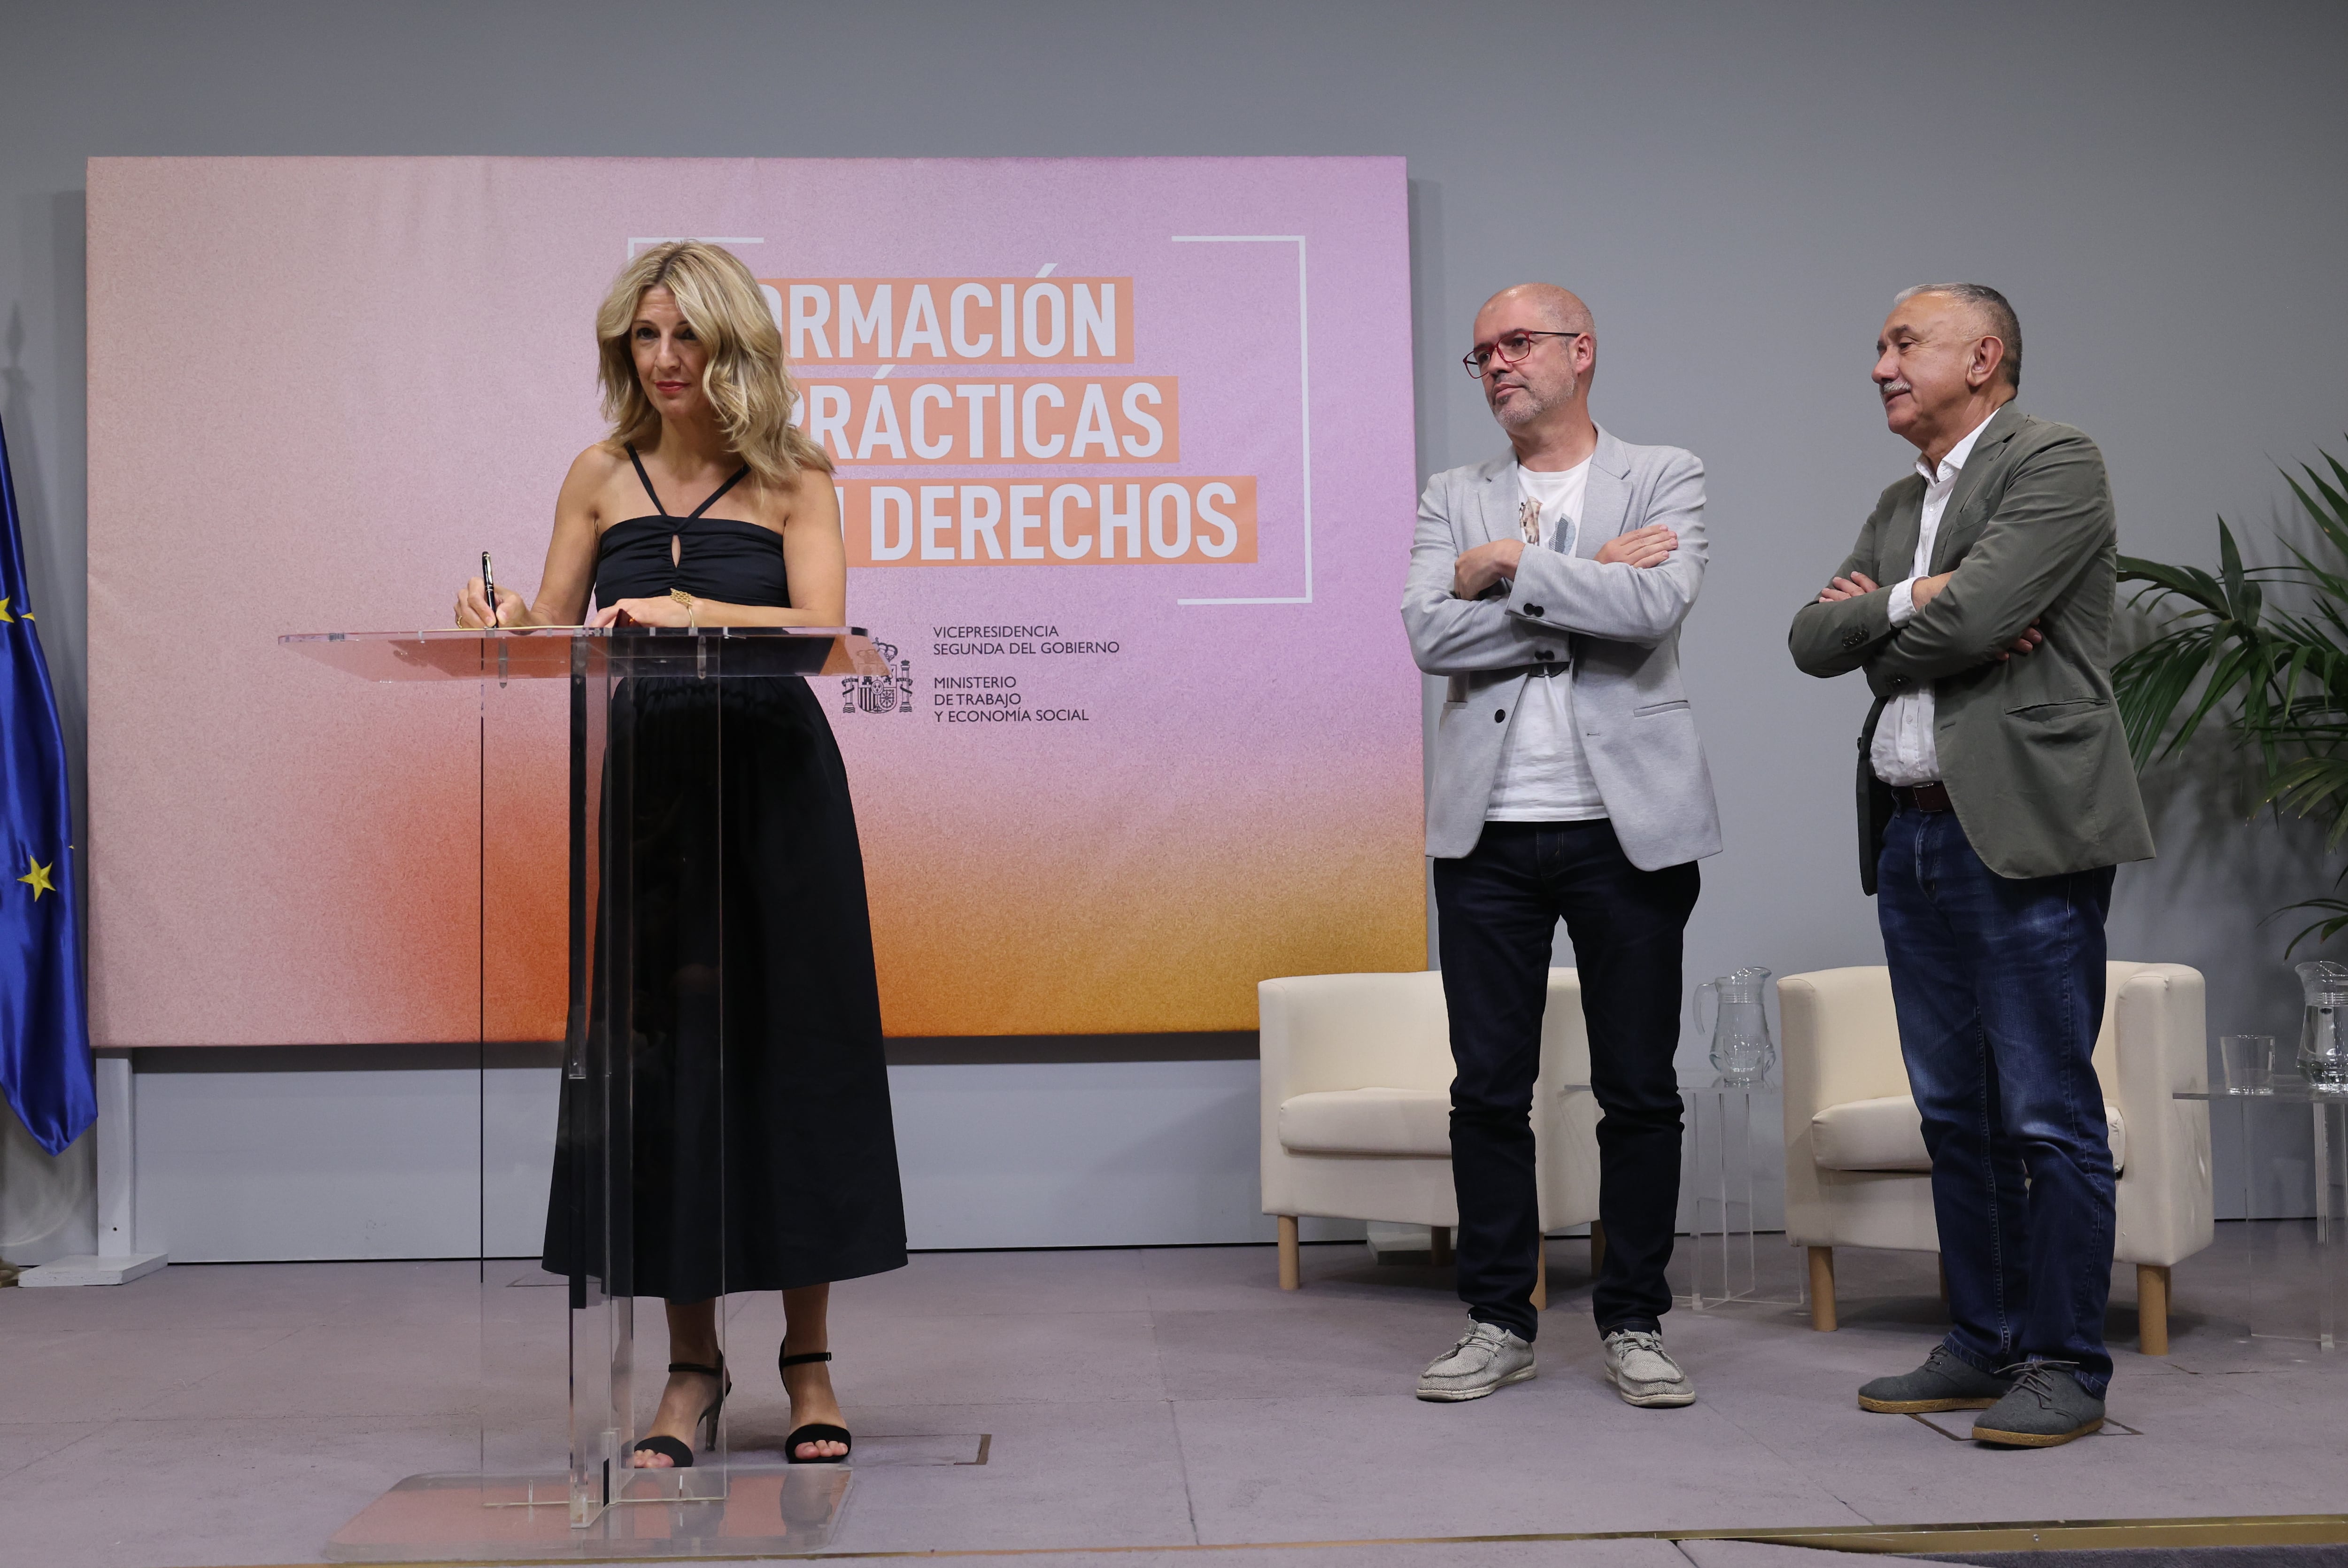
x=1888 y=388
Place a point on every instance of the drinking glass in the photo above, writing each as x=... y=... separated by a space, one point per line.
x=2248 y=1063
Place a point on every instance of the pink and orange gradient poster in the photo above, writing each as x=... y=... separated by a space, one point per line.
x=1124 y=457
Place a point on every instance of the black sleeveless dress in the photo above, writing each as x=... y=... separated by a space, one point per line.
x=779 y=1065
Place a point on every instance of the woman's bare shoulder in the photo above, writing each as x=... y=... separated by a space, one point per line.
x=767 y=503
x=590 y=476
x=808 y=495
x=596 y=464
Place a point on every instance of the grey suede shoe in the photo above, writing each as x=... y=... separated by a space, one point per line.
x=1945 y=1382
x=2045 y=1406
x=1641 y=1371
x=1486 y=1357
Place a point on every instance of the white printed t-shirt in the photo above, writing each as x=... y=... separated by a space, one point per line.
x=1543 y=776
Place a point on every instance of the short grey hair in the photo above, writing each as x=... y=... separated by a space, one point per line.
x=2003 y=324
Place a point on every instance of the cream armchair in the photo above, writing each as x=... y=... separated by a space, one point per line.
x=1356 y=1107
x=1856 y=1171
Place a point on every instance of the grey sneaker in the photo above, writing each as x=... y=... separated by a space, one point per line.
x=2044 y=1407
x=1945 y=1382
x=1642 y=1373
x=1486 y=1357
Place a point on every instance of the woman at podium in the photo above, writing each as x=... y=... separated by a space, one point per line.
x=745 y=1143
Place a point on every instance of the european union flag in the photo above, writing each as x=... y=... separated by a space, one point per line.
x=43 y=1029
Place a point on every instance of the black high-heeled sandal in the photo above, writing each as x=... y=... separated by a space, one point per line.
x=814 y=1431
x=705 y=1429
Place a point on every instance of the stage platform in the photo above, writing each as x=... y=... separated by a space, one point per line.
x=1128 y=1400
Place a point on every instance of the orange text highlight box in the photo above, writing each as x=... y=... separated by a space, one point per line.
x=1190 y=520
x=1062 y=419
x=952 y=321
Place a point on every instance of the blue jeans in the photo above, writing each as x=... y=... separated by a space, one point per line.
x=1999 y=985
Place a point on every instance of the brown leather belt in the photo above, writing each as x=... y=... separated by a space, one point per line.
x=1924 y=797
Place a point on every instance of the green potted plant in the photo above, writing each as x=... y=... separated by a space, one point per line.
x=2277 y=675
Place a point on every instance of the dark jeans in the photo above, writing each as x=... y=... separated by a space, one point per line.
x=1999 y=984
x=1498 y=909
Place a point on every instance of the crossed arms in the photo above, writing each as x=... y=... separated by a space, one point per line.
x=1638 y=589
x=2054 y=516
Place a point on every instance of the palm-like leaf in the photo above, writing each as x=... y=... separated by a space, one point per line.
x=2320 y=930
x=2279 y=677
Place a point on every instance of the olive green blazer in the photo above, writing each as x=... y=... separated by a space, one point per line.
x=2031 y=750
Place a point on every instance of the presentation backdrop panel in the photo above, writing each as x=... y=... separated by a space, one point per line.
x=1126 y=474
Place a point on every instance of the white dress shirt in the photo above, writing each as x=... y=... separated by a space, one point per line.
x=1544 y=776
x=1905 y=753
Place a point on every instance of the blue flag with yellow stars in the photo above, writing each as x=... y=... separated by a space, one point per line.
x=43 y=1029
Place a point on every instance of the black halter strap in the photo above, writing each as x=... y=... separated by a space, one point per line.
x=648 y=479
x=714 y=495
x=717 y=494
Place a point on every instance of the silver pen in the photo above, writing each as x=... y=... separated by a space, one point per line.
x=489 y=586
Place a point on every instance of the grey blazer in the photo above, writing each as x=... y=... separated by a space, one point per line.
x=1618 y=625
x=2032 y=748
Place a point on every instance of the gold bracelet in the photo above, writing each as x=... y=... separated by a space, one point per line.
x=692 y=606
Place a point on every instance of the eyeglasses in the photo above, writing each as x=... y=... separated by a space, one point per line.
x=1510 y=347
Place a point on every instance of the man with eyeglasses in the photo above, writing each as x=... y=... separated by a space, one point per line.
x=1548 y=586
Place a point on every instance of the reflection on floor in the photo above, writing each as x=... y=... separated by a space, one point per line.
x=1132 y=1398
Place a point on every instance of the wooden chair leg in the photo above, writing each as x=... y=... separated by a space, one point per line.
x=1438 y=1244
x=1597 y=1249
x=1290 y=1262
x=1541 y=1274
x=1822 y=1292
x=2152 y=1309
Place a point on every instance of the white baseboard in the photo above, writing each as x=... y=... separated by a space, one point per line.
x=94 y=1271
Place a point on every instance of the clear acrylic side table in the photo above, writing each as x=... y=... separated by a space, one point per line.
x=2286 y=1252
x=1731 y=1186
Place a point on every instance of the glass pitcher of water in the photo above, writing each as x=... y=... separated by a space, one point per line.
x=2322 y=1043
x=1742 y=1050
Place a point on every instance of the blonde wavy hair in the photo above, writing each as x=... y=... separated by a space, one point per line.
x=745 y=382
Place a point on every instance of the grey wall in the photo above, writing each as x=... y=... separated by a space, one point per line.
x=1737 y=190
x=375 y=1153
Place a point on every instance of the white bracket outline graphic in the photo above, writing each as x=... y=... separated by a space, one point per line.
x=1304 y=394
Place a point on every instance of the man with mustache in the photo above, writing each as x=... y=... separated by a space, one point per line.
x=1548 y=586
x=1996 y=799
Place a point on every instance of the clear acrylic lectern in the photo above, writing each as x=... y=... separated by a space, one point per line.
x=598 y=835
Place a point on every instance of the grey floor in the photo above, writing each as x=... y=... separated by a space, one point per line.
x=231 y=1415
